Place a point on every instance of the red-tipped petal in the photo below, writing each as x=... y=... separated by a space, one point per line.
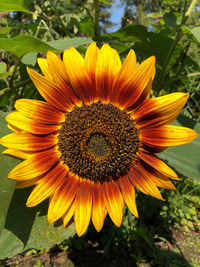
x=34 y=166
x=83 y=206
x=63 y=198
x=128 y=192
x=48 y=185
x=114 y=201
x=98 y=207
x=39 y=111
x=29 y=125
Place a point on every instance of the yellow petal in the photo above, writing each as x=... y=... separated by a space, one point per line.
x=98 y=207
x=63 y=198
x=34 y=166
x=114 y=201
x=107 y=66
x=79 y=78
x=83 y=205
x=167 y=135
x=47 y=186
x=128 y=193
x=42 y=62
x=160 y=110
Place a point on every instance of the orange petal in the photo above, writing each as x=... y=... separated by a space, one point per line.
x=160 y=110
x=26 y=124
x=126 y=71
x=68 y=214
x=39 y=111
x=91 y=60
x=79 y=78
x=114 y=201
x=138 y=86
x=156 y=177
x=17 y=153
x=142 y=182
x=157 y=164
x=98 y=207
x=83 y=206
x=34 y=166
x=63 y=198
x=50 y=91
x=60 y=77
x=167 y=135
x=47 y=186
x=128 y=192
x=28 y=142
x=24 y=184
x=107 y=66
x=42 y=62
x=14 y=128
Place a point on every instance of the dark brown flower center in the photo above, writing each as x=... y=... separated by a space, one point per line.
x=98 y=141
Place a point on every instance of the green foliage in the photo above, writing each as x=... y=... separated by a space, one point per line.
x=185 y=159
x=37 y=232
x=150 y=238
x=6 y=186
x=23 y=44
x=150 y=28
x=15 y=5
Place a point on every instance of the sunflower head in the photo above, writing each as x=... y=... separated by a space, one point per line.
x=96 y=136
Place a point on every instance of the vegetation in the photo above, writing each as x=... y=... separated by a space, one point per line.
x=166 y=233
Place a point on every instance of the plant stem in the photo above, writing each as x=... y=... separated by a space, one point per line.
x=169 y=55
x=96 y=19
x=89 y=14
x=176 y=40
x=10 y=82
x=59 y=19
x=192 y=5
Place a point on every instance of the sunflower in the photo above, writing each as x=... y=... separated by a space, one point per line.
x=95 y=138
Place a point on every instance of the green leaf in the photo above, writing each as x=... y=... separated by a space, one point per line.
x=25 y=228
x=170 y=19
x=30 y=59
x=23 y=44
x=130 y=33
x=87 y=26
x=3 y=67
x=186 y=158
x=15 y=5
x=3 y=72
x=66 y=43
x=5 y=30
x=193 y=34
x=196 y=33
x=105 y=2
x=6 y=165
x=28 y=228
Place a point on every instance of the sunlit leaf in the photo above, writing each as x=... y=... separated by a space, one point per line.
x=105 y=2
x=196 y=33
x=23 y=44
x=185 y=159
x=30 y=58
x=15 y=5
x=66 y=43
